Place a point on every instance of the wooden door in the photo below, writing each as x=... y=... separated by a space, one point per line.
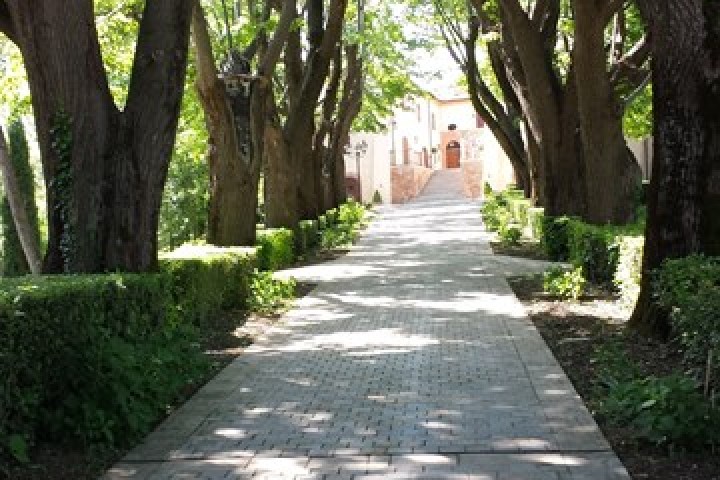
x=452 y=155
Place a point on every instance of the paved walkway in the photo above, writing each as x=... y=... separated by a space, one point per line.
x=412 y=359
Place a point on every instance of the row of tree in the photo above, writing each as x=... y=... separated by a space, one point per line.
x=281 y=106
x=563 y=73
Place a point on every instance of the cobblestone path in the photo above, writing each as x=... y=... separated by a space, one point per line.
x=411 y=359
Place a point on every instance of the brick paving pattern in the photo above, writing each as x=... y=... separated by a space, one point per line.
x=412 y=359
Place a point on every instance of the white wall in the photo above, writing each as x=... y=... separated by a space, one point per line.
x=374 y=165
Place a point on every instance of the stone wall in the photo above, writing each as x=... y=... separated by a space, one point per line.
x=408 y=181
x=472 y=179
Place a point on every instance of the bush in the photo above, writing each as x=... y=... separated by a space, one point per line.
x=666 y=410
x=307 y=237
x=561 y=282
x=351 y=213
x=269 y=294
x=593 y=248
x=275 y=248
x=629 y=268
x=495 y=212
x=555 y=236
x=377 y=198
x=663 y=410
x=91 y=359
x=332 y=217
x=690 y=289
x=535 y=217
x=519 y=210
x=510 y=234
x=207 y=279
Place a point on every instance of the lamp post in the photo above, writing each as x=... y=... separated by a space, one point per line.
x=393 y=124
x=360 y=148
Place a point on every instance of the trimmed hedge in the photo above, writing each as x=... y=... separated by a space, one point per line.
x=98 y=358
x=276 y=248
x=90 y=359
x=307 y=237
x=207 y=279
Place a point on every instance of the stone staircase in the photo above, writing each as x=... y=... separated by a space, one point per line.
x=443 y=184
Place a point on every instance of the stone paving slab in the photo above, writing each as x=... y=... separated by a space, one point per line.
x=411 y=359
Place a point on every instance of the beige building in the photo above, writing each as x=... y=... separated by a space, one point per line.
x=423 y=135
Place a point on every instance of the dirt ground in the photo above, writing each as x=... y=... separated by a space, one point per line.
x=573 y=329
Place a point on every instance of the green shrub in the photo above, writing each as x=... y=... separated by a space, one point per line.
x=322 y=222
x=561 y=282
x=351 y=213
x=519 y=210
x=275 y=248
x=307 y=237
x=663 y=410
x=377 y=198
x=629 y=268
x=487 y=190
x=535 y=217
x=269 y=294
x=495 y=212
x=338 y=236
x=510 y=234
x=555 y=235
x=332 y=217
x=90 y=359
x=594 y=248
x=666 y=410
x=690 y=289
x=207 y=279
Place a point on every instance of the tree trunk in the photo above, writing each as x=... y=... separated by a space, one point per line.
x=281 y=209
x=26 y=232
x=305 y=84
x=105 y=170
x=549 y=109
x=685 y=188
x=613 y=175
x=234 y=169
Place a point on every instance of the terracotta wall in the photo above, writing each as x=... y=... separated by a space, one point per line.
x=408 y=181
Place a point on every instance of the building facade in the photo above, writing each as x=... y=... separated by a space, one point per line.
x=423 y=135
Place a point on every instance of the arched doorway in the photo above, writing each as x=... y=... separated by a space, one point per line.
x=452 y=155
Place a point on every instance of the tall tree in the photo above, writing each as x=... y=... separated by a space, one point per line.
x=21 y=234
x=104 y=168
x=234 y=159
x=684 y=196
x=290 y=195
x=501 y=114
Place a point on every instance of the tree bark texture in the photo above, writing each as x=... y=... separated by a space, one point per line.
x=613 y=175
x=26 y=231
x=105 y=169
x=294 y=170
x=684 y=195
x=550 y=111
x=234 y=171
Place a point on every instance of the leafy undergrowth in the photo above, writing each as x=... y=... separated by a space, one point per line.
x=575 y=328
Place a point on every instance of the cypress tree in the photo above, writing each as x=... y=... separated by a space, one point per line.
x=13 y=258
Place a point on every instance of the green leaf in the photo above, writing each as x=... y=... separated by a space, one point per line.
x=18 y=447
